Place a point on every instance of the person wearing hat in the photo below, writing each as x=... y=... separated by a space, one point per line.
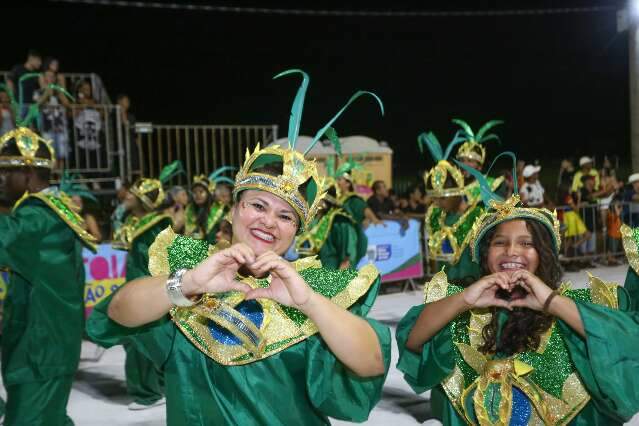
x=532 y=192
x=518 y=346
x=41 y=244
x=145 y=203
x=586 y=169
x=246 y=337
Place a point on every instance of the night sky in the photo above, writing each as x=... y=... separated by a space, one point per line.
x=560 y=82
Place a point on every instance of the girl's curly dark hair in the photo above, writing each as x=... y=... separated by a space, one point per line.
x=524 y=327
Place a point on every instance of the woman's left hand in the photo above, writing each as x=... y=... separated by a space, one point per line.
x=287 y=286
x=536 y=290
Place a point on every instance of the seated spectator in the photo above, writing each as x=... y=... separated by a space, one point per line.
x=89 y=219
x=53 y=113
x=7 y=118
x=532 y=192
x=29 y=86
x=415 y=206
x=630 y=197
x=585 y=163
x=383 y=207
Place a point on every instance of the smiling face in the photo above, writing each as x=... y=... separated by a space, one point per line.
x=512 y=248
x=264 y=222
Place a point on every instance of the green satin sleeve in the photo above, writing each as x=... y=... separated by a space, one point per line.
x=355 y=206
x=19 y=231
x=631 y=285
x=333 y=389
x=424 y=371
x=154 y=340
x=607 y=360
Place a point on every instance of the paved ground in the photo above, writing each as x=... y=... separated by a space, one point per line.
x=99 y=394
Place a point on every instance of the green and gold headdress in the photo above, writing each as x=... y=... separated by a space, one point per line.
x=27 y=142
x=210 y=182
x=473 y=148
x=435 y=178
x=151 y=191
x=299 y=183
x=500 y=211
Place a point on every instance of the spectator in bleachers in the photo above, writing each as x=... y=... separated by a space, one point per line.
x=382 y=205
x=128 y=126
x=52 y=65
x=586 y=169
x=630 y=196
x=120 y=210
x=609 y=188
x=532 y=192
x=53 y=113
x=566 y=174
x=29 y=86
x=588 y=208
x=7 y=118
x=88 y=118
x=613 y=226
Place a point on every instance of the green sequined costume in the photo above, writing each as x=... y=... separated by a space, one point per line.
x=41 y=244
x=568 y=380
x=216 y=214
x=334 y=238
x=144 y=381
x=212 y=378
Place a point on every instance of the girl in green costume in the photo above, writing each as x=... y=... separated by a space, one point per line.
x=518 y=347
x=334 y=236
x=244 y=336
x=203 y=215
x=144 y=202
x=352 y=203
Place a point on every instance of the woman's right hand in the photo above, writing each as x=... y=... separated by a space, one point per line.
x=483 y=293
x=217 y=273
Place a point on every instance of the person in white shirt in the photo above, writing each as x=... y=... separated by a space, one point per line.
x=532 y=192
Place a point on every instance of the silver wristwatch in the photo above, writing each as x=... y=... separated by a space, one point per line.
x=174 y=289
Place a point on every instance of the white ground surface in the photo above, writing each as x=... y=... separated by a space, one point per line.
x=99 y=395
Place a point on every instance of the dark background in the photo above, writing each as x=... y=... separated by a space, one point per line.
x=559 y=81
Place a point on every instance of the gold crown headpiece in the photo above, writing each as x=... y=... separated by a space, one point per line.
x=151 y=192
x=210 y=182
x=26 y=140
x=437 y=177
x=28 y=143
x=473 y=148
x=500 y=210
x=299 y=183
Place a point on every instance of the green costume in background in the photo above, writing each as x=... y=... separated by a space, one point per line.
x=568 y=380
x=355 y=206
x=41 y=244
x=334 y=238
x=213 y=375
x=215 y=216
x=144 y=381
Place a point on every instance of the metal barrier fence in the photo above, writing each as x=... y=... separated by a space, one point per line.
x=200 y=148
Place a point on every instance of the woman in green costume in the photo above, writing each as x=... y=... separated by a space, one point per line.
x=518 y=347
x=351 y=202
x=450 y=218
x=334 y=236
x=145 y=221
x=203 y=215
x=244 y=336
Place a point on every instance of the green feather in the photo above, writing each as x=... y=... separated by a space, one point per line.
x=171 y=170
x=213 y=177
x=358 y=94
x=488 y=138
x=514 y=170
x=432 y=143
x=457 y=139
x=297 y=108
x=71 y=188
x=464 y=126
x=486 y=127
x=485 y=190
x=330 y=166
x=331 y=135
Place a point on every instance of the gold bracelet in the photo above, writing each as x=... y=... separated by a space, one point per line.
x=549 y=299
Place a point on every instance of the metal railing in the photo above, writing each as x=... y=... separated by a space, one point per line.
x=200 y=148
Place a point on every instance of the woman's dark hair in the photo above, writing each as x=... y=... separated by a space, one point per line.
x=524 y=327
x=202 y=218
